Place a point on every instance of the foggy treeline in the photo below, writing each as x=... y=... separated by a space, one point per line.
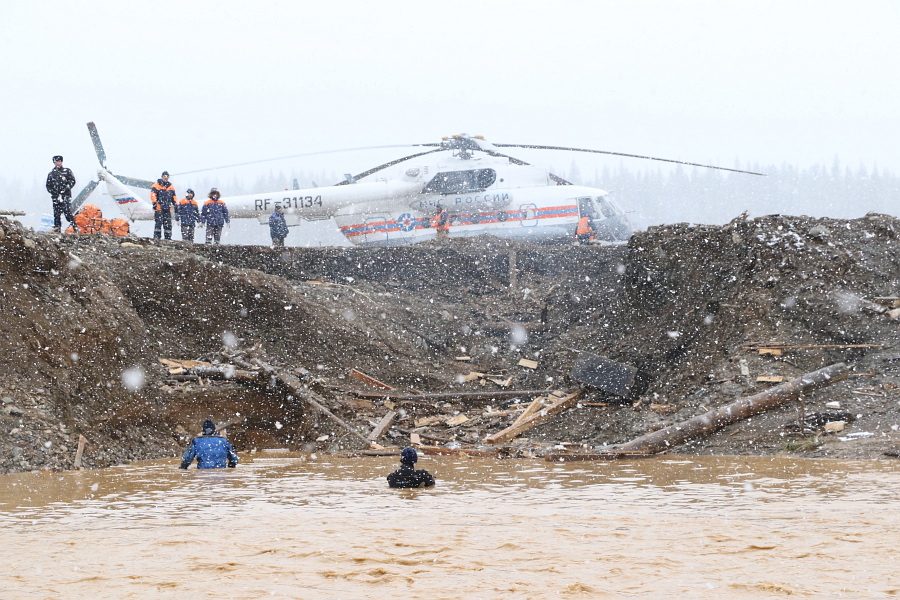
x=708 y=196
x=666 y=195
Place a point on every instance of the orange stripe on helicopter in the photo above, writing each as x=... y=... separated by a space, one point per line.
x=393 y=226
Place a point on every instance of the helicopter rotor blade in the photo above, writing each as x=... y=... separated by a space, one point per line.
x=98 y=145
x=83 y=194
x=668 y=160
x=134 y=182
x=356 y=178
x=265 y=160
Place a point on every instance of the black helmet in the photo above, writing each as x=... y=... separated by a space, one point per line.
x=209 y=427
x=57 y=157
x=408 y=456
x=190 y=191
x=165 y=174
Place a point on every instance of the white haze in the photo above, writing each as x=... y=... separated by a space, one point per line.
x=184 y=85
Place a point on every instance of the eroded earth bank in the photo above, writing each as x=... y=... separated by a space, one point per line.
x=696 y=310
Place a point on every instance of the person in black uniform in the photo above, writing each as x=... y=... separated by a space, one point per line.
x=407 y=476
x=60 y=182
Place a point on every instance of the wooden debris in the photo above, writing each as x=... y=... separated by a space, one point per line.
x=534 y=420
x=528 y=363
x=463 y=358
x=427 y=421
x=770 y=351
x=834 y=426
x=456 y=420
x=472 y=376
x=778 y=346
x=501 y=382
x=536 y=405
x=893 y=314
x=566 y=456
x=709 y=422
x=174 y=363
x=663 y=409
x=382 y=426
x=415 y=439
x=770 y=379
x=79 y=452
x=368 y=379
x=485 y=395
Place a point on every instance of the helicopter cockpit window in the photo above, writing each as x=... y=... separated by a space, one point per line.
x=606 y=208
x=461 y=182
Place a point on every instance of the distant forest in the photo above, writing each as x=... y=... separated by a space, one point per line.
x=650 y=197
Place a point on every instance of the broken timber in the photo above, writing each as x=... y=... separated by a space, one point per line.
x=711 y=421
x=540 y=417
x=382 y=426
x=448 y=395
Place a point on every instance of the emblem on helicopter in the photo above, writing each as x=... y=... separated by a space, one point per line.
x=406 y=222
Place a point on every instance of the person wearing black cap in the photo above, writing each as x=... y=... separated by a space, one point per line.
x=407 y=476
x=278 y=228
x=60 y=182
x=162 y=195
x=187 y=213
x=211 y=451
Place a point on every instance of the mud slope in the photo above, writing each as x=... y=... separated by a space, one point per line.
x=680 y=302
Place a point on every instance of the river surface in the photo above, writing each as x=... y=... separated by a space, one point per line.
x=289 y=526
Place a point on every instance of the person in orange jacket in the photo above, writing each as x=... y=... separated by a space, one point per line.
x=584 y=232
x=187 y=213
x=162 y=195
x=441 y=223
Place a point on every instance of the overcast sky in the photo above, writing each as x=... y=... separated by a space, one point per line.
x=182 y=85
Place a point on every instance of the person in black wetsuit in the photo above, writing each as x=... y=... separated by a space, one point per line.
x=407 y=476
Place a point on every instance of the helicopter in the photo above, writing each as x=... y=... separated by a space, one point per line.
x=483 y=190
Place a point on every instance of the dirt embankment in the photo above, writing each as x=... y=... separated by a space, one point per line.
x=86 y=320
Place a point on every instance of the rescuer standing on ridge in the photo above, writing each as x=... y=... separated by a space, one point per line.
x=60 y=182
x=211 y=451
x=407 y=476
x=162 y=195
x=187 y=213
x=214 y=215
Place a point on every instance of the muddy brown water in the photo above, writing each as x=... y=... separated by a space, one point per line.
x=289 y=526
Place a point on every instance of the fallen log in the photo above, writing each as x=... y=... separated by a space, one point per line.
x=713 y=420
x=488 y=395
x=542 y=416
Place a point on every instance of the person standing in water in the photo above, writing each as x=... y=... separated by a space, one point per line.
x=211 y=451
x=407 y=476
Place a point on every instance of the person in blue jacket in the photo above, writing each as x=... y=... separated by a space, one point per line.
x=211 y=451
x=278 y=228
x=214 y=216
x=188 y=213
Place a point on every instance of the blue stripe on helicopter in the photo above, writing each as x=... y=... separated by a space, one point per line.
x=404 y=222
x=126 y=200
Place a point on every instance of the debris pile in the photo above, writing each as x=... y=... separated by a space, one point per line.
x=481 y=346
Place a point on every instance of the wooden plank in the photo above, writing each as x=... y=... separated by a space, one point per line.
x=533 y=421
x=79 y=452
x=368 y=379
x=382 y=426
x=430 y=397
x=770 y=379
x=770 y=351
x=528 y=363
x=536 y=405
x=456 y=420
